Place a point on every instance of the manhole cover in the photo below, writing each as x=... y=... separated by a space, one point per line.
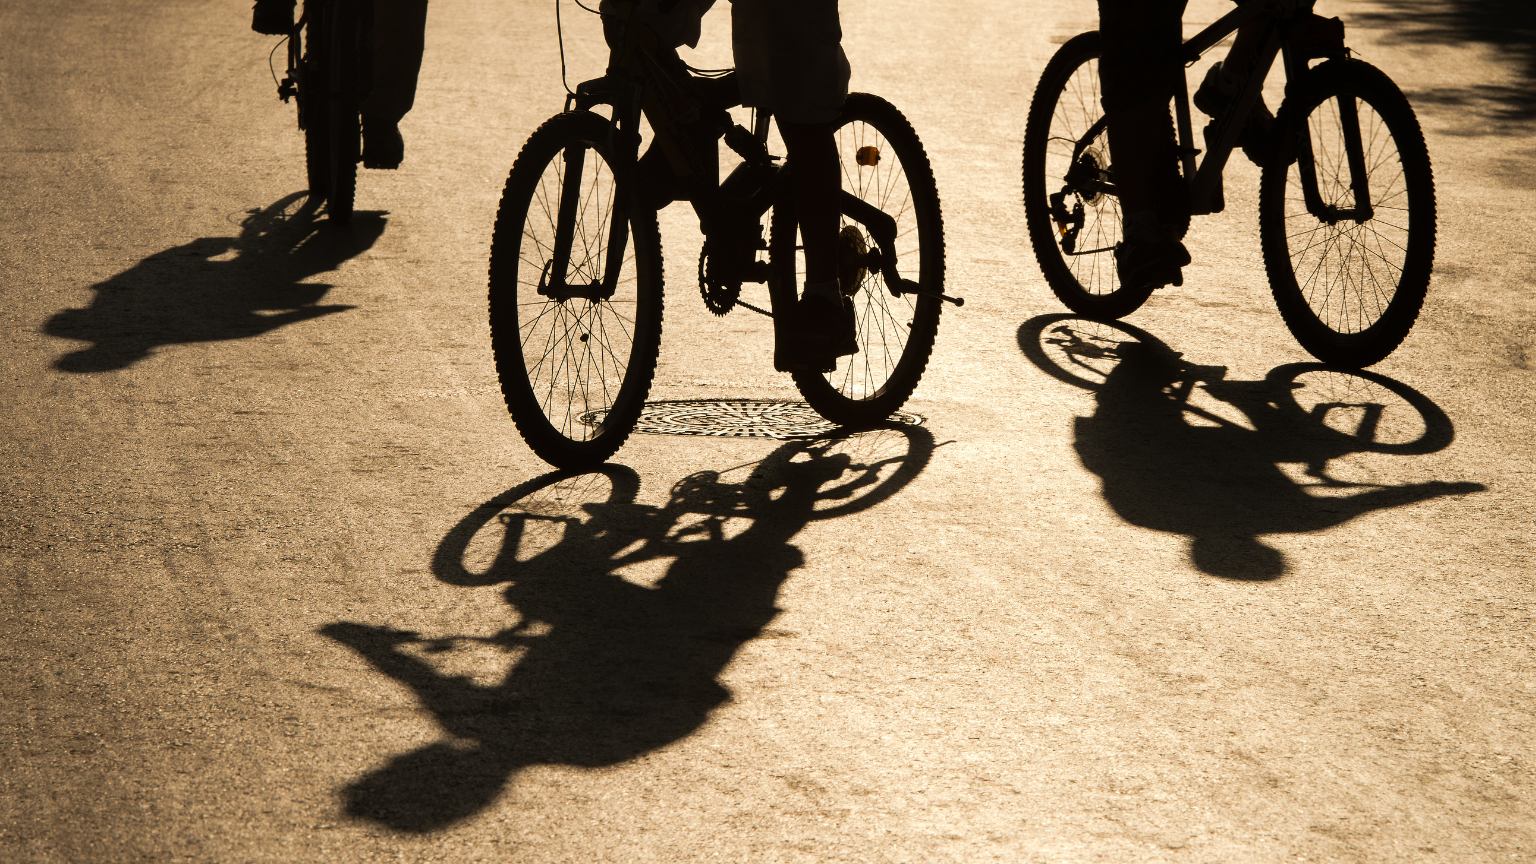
x=735 y=418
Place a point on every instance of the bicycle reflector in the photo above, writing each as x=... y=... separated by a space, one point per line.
x=867 y=156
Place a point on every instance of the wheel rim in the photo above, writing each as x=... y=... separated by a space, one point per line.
x=575 y=351
x=1076 y=110
x=1348 y=272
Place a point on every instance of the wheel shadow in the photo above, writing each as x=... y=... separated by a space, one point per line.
x=1182 y=449
x=601 y=667
x=215 y=288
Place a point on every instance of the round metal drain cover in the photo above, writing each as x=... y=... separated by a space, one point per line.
x=736 y=418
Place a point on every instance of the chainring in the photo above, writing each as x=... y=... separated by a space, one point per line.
x=719 y=297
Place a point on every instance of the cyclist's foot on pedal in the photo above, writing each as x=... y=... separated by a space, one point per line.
x=383 y=147
x=827 y=316
x=1150 y=255
x=272 y=17
x=821 y=330
x=1215 y=95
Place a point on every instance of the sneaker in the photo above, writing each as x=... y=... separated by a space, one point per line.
x=1214 y=96
x=822 y=330
x=826 y=316
x=383 y=146
x=1151 y=254
x=272 y=17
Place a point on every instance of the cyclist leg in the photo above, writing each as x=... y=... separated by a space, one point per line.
x=1221 y=83
x=790 y=60
x=398 y=38
x=1138 y=74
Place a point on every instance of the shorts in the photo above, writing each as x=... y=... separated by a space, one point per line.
x=789 y=58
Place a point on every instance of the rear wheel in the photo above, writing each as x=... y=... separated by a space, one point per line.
x=1074 y=222
x=883 y=164
x=575 y=365
x=1349 y=282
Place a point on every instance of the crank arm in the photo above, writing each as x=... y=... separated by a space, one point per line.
x=883 y=229
x=901 y=286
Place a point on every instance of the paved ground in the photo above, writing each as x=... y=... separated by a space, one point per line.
x=282 y=583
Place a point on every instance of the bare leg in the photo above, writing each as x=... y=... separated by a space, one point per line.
x=823 y=325
x=817 y=185
x=399 y=34
x=1139 y=71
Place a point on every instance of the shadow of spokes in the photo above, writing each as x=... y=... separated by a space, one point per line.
x=1181 y=448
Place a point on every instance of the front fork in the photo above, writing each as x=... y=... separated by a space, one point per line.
x=1354 y=152
x=882 y=258
x=556 y=281
x=1359 y=177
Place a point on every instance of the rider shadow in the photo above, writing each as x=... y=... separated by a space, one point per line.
x=1172 y=466
x=604 y=669
x=215 y=288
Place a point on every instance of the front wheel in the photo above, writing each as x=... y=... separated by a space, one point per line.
x=576 y=355
x=313 y=97
x=1073 y=214
x=1347 y=214
x=884 y=165
x=346 y=35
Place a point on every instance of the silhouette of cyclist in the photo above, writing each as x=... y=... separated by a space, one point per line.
x=397 y=32
x=1139 y=72
x=790 y=61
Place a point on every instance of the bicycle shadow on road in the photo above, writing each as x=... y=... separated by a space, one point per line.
x=1211 y=469
x=601 y=667
x=215 y=288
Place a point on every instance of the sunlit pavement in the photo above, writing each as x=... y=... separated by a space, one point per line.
x=282 y=583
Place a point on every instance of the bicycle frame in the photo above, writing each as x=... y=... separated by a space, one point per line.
x=1203 y=175
x=1280 y=39
x=644 y=79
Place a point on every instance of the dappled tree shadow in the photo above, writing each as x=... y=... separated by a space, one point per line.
x=1506 y=26
x=215 y=288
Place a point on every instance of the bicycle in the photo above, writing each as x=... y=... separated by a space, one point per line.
x=1346 y=195
x=327 y=82
x=575 y=283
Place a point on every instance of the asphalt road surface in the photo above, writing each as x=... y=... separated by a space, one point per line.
x=280 y=581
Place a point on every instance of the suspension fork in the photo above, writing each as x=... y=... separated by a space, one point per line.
x=1354 y=152
x=565 y=219
x=1354 y=148
x=556 y=280
x=882 y=258
x=627 y=143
